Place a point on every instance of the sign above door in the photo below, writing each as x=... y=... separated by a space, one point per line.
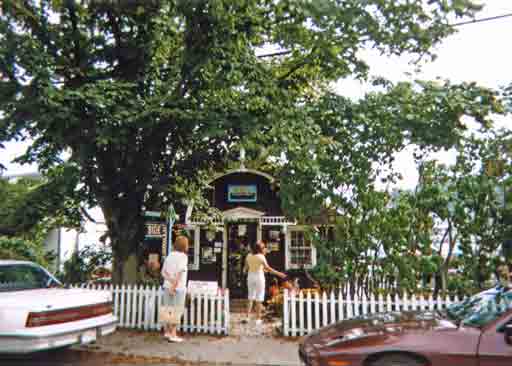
x=242 y=193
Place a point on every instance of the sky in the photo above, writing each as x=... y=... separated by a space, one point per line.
x=479 y=52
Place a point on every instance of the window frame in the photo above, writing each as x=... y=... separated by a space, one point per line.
x=194 y=266
x=288 y=247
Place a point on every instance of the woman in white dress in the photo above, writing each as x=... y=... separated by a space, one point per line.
x=174 y=272
x=256 y=265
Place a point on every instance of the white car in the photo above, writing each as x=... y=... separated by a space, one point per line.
x=37 y=313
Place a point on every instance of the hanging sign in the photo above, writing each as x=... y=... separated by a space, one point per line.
x=242 y=193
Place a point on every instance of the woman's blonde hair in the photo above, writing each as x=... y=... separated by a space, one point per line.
x=181 y=244
x=258 y=247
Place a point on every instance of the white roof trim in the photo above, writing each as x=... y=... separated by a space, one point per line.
x=244 y=170
x=242 y=212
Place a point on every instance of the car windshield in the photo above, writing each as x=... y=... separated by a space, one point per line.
x=481 y=309
x=16 y=277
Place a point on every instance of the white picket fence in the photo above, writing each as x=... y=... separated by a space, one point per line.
x=137 y=307
x=303 y=314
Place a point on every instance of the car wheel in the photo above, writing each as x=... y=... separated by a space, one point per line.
x=396 y=359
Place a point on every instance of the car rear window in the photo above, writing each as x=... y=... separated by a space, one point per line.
x=16 y=277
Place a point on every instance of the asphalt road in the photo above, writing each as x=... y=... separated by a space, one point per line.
x=74 y=357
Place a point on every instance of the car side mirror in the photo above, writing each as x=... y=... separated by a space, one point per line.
x=508 y=334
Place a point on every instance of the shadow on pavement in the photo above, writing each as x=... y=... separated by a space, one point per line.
x=60 y=357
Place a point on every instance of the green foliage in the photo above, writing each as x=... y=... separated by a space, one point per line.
x=393 y=241
x=80 y=267
x=142 y=94
x=31 y=207
x=24 y=249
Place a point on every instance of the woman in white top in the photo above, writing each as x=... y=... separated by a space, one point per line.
x=256 y=265
x=174 y=272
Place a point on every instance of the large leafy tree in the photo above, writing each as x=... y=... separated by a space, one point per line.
x=30 y=208
x=141 y=93
x=36 y=205
x=470 y=197
x=339 y=152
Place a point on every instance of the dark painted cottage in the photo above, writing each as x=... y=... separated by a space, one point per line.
x=251 y=211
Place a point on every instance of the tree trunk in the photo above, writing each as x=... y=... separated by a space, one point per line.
x=126 y=228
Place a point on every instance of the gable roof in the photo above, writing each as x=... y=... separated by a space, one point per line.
x=243 y=170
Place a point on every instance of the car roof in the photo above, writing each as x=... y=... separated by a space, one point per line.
x=7 y=262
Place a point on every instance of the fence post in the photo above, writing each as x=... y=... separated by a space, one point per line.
x=205 y=313
x=199 y=325
x=431 y=302
x=121 y=305
x=340 y=305
x=380 y=305
x=349 y=306
x=397 y=302
x=373 y=303
x=158 y=305
x=405 y=302
x=414 y=302
x=115 y=296
x=309 y=315
x=146 y=307
x=422 y=302
x=447 y=301
x=134 y=306
x=356 y=305
x=293 y=318
x=219 y=316
x=226 y=310
x=129 y=305
x=333 y=308
x=317 y=311
x=286 y=317
x=154 y=307
x=301 y=313
x=364 y=304
x=212 y=307
x=325 y=313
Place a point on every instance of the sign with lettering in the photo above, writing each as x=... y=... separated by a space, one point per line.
x=203 y=287
x=242 y=193
x=156 y=229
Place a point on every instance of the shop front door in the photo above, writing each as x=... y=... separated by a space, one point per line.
x=240 y=237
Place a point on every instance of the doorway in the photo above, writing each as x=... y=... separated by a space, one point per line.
x=240 y=236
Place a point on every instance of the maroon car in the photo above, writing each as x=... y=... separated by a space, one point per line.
x=475 y=332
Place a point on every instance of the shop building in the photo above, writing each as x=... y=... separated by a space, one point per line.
x=250 y=208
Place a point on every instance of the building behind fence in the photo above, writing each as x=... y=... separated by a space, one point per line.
x=137 y=307
x=304 y=313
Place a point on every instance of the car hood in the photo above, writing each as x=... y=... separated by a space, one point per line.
x=379 y=325
x=52 y=299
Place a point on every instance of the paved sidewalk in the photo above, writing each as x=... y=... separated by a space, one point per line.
x=245 y=349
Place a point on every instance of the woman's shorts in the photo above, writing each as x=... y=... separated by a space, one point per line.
x=256 y=286
x=172 y=307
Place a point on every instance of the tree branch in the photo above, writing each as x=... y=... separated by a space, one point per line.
x=86 y=214
x=280 y=53
x=76 y=35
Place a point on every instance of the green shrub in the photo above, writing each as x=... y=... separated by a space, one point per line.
x=24 y=249
x=79 y=268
